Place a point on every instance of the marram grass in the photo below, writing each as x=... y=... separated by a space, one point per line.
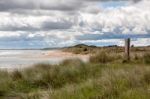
x=74 y=79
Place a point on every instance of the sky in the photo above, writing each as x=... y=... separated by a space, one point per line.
x=61 y=23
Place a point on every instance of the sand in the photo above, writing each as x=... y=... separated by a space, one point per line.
x=66 y=55
x=27 y=58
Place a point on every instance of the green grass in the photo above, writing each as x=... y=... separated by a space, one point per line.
x=104 y=57
x=111 y=84
x=104 y=77
x=146 y=58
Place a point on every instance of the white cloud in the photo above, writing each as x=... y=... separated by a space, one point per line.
x=59 y=22
x=129 y=19
x=141 y=42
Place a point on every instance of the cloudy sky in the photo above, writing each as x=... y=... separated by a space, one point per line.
x=59 y=23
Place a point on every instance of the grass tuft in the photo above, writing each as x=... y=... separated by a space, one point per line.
x=100 y=57
x=146 y=58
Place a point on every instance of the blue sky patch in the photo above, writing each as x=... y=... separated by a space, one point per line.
x=113 y=4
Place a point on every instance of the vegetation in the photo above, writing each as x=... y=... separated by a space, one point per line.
x=103 y=77
x=146 y=58
x=85 y=49
x=100 y=57
x=80 y=49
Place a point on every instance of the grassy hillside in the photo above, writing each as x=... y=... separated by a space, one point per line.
x=85 y=49
x=106 y=76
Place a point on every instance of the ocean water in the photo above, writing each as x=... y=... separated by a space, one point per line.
x=11 y=59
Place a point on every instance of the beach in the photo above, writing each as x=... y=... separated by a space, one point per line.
x=18 y=59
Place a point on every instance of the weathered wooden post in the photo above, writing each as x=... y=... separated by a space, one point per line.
x=127 y=49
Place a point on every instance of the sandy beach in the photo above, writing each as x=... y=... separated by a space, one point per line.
x=18 y=59
x=65 y=55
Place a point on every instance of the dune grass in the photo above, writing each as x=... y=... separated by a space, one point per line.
x=146 y=58
x=103 y=77
x=112 y=84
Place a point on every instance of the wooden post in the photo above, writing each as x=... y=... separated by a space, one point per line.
x=127 y=49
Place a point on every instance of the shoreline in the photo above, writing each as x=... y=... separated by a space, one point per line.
x=28 y=58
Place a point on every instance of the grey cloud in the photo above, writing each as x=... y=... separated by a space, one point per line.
x=49 y=25
x=110 y=36
x=113 y=0
x=16 y=28
x=67 y=5
x=10 y=5
x=44 y=26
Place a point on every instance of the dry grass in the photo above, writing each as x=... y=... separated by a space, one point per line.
x=146 y=58
x=111 y=84
x=100 y=57
x=104 y=77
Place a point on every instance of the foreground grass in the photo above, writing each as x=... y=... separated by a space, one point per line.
x=112 y=84
x=101 y=78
